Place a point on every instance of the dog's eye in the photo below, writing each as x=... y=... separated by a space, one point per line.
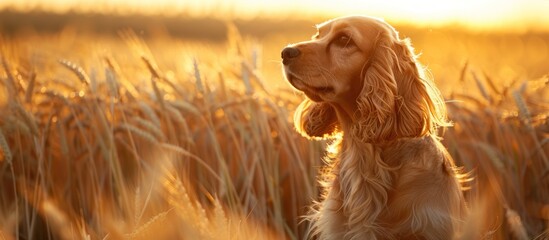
x=343 y=40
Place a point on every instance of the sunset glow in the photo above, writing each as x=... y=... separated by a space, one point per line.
x=471 y=13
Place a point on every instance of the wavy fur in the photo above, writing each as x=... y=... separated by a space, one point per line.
x=391 y=178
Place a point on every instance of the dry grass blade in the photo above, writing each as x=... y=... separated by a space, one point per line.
x=543 y=236
x=198 y=79
x=463 y=72
x=176 y=115
x=30 y=88
x=150 y=113
x=7 y=225
x=248 y=72
x=12 y=123
x=186 y=107
x=526 y=116
x=524 y=112
x=183 y=152
x=493 y=155
x=5 y=148
x=27 y=118
x=13 y=86
x=152 y=67
x=137 y=131
x=130 y=89
x=191 y=213
x=151 y=127
x=222 y=85
x=63 y=140
x=246 y=79
x=481 y=87
x=515 y=225
x=137 y=203
x=58 y=219
x=158 y=93
x=112 y=83
x=220 y=220
x=491 y=84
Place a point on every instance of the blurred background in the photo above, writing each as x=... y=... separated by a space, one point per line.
x=507 y=14
x=509 y=38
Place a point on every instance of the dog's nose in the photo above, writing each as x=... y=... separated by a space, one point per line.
x=289 y=53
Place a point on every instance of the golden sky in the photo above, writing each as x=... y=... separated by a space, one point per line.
x=471 y=13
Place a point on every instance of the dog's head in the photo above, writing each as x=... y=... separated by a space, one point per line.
x=360 y=77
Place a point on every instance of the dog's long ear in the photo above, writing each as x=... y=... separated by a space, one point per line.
x=315 y=120
x=376 y=102
x=396 y=100
x=420 y=107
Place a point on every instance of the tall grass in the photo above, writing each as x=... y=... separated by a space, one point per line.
x=502 y=136
x=119 y=141
x=110 y=156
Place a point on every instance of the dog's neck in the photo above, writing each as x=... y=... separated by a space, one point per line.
x=345 y=115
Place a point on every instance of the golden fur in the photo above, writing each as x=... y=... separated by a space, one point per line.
x=390 y=177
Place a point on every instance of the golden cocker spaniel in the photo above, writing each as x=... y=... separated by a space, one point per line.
x=389 y=177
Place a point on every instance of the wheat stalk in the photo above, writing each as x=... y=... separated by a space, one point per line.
x=150 y=113
x=515 y=225
x=5 y=148
x=481 y=87
x=137 y=131
x=14 y=124
x=220 y=221
x=463 y=72
x=246 y=80
x=30 y=88
x=179 y=199
x=151 y=127
x=57 y=218
x=112 y=83
x=154 y=221
x=79 y=71
x=153 y=68
x=187 y=107
x=186 y=153
x=198 y=79
x=176 y=115
x=525 y=114
x=27 y=118
x=13 y=86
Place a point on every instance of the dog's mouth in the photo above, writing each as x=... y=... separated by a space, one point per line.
x=308 y=89
x=323 y=89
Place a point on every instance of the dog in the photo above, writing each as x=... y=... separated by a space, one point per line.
x=388 y=176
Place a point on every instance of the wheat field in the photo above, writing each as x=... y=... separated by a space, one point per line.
x=129 y=137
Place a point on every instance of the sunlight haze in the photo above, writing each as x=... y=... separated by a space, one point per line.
x=475 y=14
